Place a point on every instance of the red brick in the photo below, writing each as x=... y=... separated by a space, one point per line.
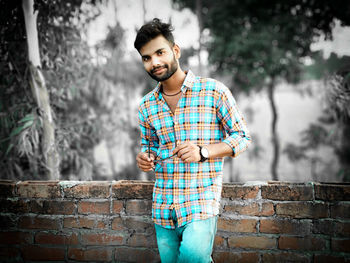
x=332 y=228
x=139 y=207
x=103 y=254
x=7 y=188
x=15 y=237
x=219 y=241
x=129 y=189
x=39 y=189
x=95 y=189
x=28 y=222
x=302 y=210
x=341 y=229
x=237 y=225
x=254 y=242
x=332 y=192
x=117 y=206
x=62 y=207
x=139 y=240
x=102 y=239
x=279 y=257
x=127 y=254
x=321 y=258
x=302 y=243
x=89 y=207
x=325 y=227
x=8 y=221
x=234 y=191
x=138 y=224
x=7 y=253
x=56 y=239
x=267 y=209
x=118 y=224
x=340 y=245
x=340 y=210
x=253 y=209
x=14 y=206
x=84 y=222
x=290 y=192
x=42 y=253
x=243 y=257
x=277 y=226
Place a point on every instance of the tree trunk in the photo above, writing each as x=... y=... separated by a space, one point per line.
x=39 y=90
x=200 y=26
x=275 y=139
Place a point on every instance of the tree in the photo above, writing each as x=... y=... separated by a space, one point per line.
x=263 y=43
x=66 y=67
x=39 y=91
x=332 y=128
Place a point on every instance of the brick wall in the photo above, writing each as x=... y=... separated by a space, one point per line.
x=68 y=221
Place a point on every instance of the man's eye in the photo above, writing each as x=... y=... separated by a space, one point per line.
x=145 y=59
x=160 y=52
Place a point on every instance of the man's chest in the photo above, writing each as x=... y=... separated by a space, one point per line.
x=188 y=112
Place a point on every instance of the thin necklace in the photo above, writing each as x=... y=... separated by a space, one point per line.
x=171 y=95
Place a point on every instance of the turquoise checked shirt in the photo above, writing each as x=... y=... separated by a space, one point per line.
x=206 y=113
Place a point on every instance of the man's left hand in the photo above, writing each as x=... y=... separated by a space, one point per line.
x=188 y=152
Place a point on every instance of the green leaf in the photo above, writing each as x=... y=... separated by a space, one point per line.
x=9 y=149
x=28 y=117
x=18 y=130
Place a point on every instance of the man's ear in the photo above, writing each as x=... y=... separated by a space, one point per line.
x=177 y=51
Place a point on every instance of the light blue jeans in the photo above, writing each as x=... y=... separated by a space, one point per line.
x=190 y=243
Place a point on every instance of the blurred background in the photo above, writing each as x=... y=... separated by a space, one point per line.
x=287 y=64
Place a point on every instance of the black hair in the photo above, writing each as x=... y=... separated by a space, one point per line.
x=152 y=30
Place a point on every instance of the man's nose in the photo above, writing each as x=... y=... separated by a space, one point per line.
x=155 y=62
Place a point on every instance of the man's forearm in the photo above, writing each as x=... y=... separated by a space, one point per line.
x=218 y=150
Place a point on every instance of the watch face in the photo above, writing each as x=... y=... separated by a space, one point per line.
x=205 y=152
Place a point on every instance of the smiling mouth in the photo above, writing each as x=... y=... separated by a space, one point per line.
x=158 y=70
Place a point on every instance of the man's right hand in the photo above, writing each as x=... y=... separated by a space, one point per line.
x=144 y=162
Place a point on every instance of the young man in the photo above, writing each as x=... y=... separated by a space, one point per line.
x=188 y=124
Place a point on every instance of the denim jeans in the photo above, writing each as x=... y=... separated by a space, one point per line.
x=190 y=243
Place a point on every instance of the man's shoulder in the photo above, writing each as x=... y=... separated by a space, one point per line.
x=208 y=83
x=148 y=97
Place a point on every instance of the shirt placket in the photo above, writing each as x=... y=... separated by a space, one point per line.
x=176 y=160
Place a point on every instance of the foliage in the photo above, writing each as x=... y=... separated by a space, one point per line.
x=333 y=128
x=259 y=43
x=66 y=64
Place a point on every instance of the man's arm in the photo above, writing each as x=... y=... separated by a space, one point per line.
x=149 y=145
x=238 y=137
x=189 y=152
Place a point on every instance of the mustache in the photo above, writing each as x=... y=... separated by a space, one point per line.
x=159 y=67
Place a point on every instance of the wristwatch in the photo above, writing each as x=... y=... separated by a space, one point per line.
x=204 y=153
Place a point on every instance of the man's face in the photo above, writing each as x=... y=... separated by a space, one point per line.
x=159 y=59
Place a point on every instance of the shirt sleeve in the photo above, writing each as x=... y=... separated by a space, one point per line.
x=238 y=137
x=149 y=139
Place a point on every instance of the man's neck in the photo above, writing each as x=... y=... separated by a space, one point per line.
x=174 y=83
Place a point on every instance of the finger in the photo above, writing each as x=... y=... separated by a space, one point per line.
x=144 y=157
x=179 y=147
x=146 y=167
x=184 y=151
x=187 y=157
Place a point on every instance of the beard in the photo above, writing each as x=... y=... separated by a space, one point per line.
x=170 y=70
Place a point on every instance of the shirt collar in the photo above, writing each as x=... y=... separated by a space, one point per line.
x=188 y=83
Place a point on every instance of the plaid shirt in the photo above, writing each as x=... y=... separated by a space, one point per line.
x=206 y=113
